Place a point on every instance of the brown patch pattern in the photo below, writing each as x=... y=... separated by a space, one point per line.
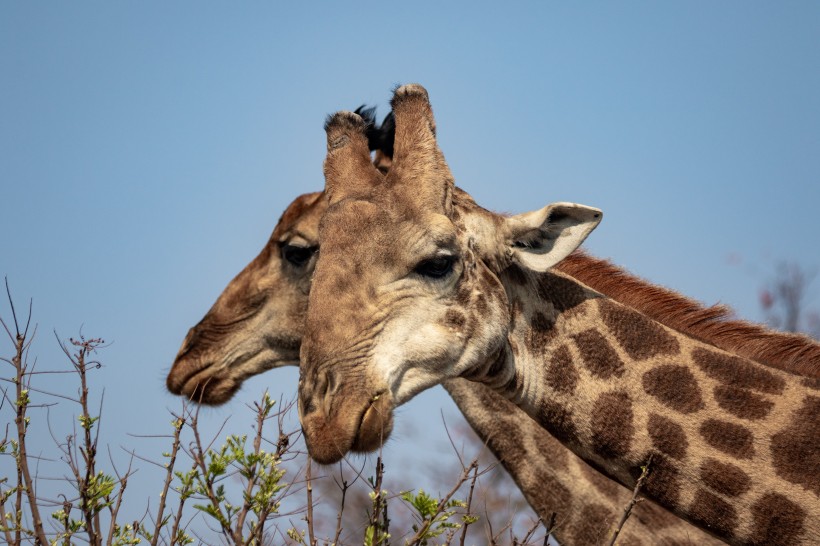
x=663 y=482
x=655 y=517
x=667 y=436
x=542 y=330
x=564 y=294
x=558 y=421
x=725 y=478
x=728 y=437
x=454 y=319
x=548 y=447
x=674 y=386
x=592 y=524
x=709 y=511
x=792 y=352
x=609 y=488
x=742 y=403
x=598 y=355
x=812 y=383
x=516 y=275
x=777 y=520
x=639 y=336
x=612 y=427
x=561 y=373
x=737 y=372
x=796 y=450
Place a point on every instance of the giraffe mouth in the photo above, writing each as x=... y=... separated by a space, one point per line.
x=355 y=427
x=375 y=425
x=212 y=383
x=212 y=390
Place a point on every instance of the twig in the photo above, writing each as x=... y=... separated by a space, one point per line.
x=468 y=521
x=115 y=510
x=309 y=516
x=531 y=531
x=24 y=480
x=379 y=504
x=550 y=526
x=344 y=488
x=179 y=422
x=633 y=501
x=425 y=526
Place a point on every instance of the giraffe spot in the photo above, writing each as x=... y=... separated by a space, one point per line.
x=724 y=478
x=565 y=294
x=655 y=517
x=540 y=322
x=548 y=447
x=737 y=372
x=667 y=436
x=675 y=386
x=796 y=450
x=611 y=423
x=811 y=382
x=542 y=330
x=709 y=511
x=639 y=336
x=598 y=355
x=558 y=421
x=516 y=275
x=454 y=319
x=561 y=373
x=609 y=488
x=742 y=403
x=777 y=520
x=592 y=524
x=464 y=294
x=663 y=482
x=728 y=437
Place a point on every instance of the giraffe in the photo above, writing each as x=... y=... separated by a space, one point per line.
x=441 y=288
x=257 y=322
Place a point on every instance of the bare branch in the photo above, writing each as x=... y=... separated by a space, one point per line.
x=633 y=501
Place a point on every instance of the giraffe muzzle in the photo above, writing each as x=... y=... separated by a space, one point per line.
x=357 y=423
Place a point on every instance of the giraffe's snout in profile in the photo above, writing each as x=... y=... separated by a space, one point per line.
x=193 y=373
x=335 y=425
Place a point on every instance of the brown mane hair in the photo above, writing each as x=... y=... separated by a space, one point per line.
x=795 y=353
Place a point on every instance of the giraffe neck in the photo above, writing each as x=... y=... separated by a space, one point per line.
x=734 y=443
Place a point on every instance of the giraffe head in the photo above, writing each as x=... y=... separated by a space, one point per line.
x=257 y=322
x=406 y=291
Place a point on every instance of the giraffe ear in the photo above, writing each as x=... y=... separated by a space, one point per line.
x=540 y=239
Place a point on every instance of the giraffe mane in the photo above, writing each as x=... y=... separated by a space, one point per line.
x=716 y=324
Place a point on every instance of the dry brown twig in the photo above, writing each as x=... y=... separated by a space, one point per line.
x=633 y=501
x=22 y=378
x=344 y=487
x=309 y=515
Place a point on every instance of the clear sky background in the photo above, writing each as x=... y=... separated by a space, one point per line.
x=147 y=150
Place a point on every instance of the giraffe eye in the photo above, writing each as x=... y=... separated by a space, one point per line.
x=436 y=268
x=297 y=256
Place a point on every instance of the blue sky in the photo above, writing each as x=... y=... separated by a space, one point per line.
x=148 y=148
